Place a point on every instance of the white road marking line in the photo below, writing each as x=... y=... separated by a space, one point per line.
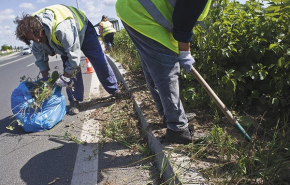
x=48 y=61
x=86 y=165
x=12 y=62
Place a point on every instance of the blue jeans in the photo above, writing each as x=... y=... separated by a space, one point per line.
x=77 y=93
x=162 y=70
x=93 y=51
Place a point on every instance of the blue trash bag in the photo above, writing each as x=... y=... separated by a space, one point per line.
x=51 y=112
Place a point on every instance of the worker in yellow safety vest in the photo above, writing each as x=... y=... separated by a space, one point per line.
x=65 y=30
x=162 y=31
x=107 y=31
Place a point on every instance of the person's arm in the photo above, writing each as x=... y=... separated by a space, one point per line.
x=67 y=33
x=185 y=15
x=41 y=59
x=101 y=28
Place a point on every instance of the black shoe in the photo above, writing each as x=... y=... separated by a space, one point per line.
x=74 y=108
x=116 y=94
x=184 y=137
x=180 y=137
x=189 y=116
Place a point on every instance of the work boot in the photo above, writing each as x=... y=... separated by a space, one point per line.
x=117 y=94
x=184 y=137
x=180 y=137
x=74 y=108
x=190 y=116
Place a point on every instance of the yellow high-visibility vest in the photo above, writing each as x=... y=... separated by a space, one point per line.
x=107 y=28
x=153 y=18
x=61 y=13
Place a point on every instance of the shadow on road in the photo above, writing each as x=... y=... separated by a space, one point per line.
x=6 y=122
x=51 y=167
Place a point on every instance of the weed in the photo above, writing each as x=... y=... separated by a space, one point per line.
x=40 y=89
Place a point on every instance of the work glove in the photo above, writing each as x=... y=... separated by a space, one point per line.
x=186 y=60
x=62 y=81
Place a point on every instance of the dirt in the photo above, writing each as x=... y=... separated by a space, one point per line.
x=124 y=156
x=121 y=111
x=137 y=83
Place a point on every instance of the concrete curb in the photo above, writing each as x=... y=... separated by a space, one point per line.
x=167 y=167
x=156 y=148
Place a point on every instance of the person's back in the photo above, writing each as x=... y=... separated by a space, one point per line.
x=65 y=30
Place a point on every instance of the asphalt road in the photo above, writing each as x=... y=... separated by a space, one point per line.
x=54 y=157
x=35 y=158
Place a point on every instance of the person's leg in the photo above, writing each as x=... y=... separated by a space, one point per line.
x=162 y=71
x=76 y=93
x=109 y=41
x=111 y=38
x=93 y=51
x=106 y=41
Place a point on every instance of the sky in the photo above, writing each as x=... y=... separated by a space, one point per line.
x=9 y=9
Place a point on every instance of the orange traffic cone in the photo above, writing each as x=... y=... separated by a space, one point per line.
x=90 y=68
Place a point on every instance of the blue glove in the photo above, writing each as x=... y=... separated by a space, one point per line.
x=186 y=60
x=62 y=81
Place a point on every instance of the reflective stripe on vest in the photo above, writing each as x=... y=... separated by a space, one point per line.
x=78 y=15
x=156 y=14
x=134 y=14
x=107 y=28
x=172 y=2
x=61 y=13
x=160 y=19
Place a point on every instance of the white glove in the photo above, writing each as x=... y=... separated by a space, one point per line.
x=186 y=60
x=62 y=81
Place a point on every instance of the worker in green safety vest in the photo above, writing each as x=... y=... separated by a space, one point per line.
x=65 y=30
x=162 y=31
x=107 y=31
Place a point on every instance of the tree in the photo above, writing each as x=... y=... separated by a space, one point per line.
x=5 y=47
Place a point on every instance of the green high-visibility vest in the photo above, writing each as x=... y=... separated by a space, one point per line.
x=107 y=28
x=153 y=18
x=61 y=13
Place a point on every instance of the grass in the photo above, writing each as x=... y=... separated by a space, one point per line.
x=4 y=54
x=233 y=161
x=120 y=124
x=226 y=158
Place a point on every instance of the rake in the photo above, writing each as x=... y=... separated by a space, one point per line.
x=220 y=104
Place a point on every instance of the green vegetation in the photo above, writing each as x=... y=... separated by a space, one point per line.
x=40 y=89
x=125 y=52
x=6 y=47
x=243 y=52
x=4 y=54
x=120 y=124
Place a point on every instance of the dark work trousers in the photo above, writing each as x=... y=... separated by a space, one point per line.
x=92 y=49
x=109 y=39
x=77 y=92
x=162 y=70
